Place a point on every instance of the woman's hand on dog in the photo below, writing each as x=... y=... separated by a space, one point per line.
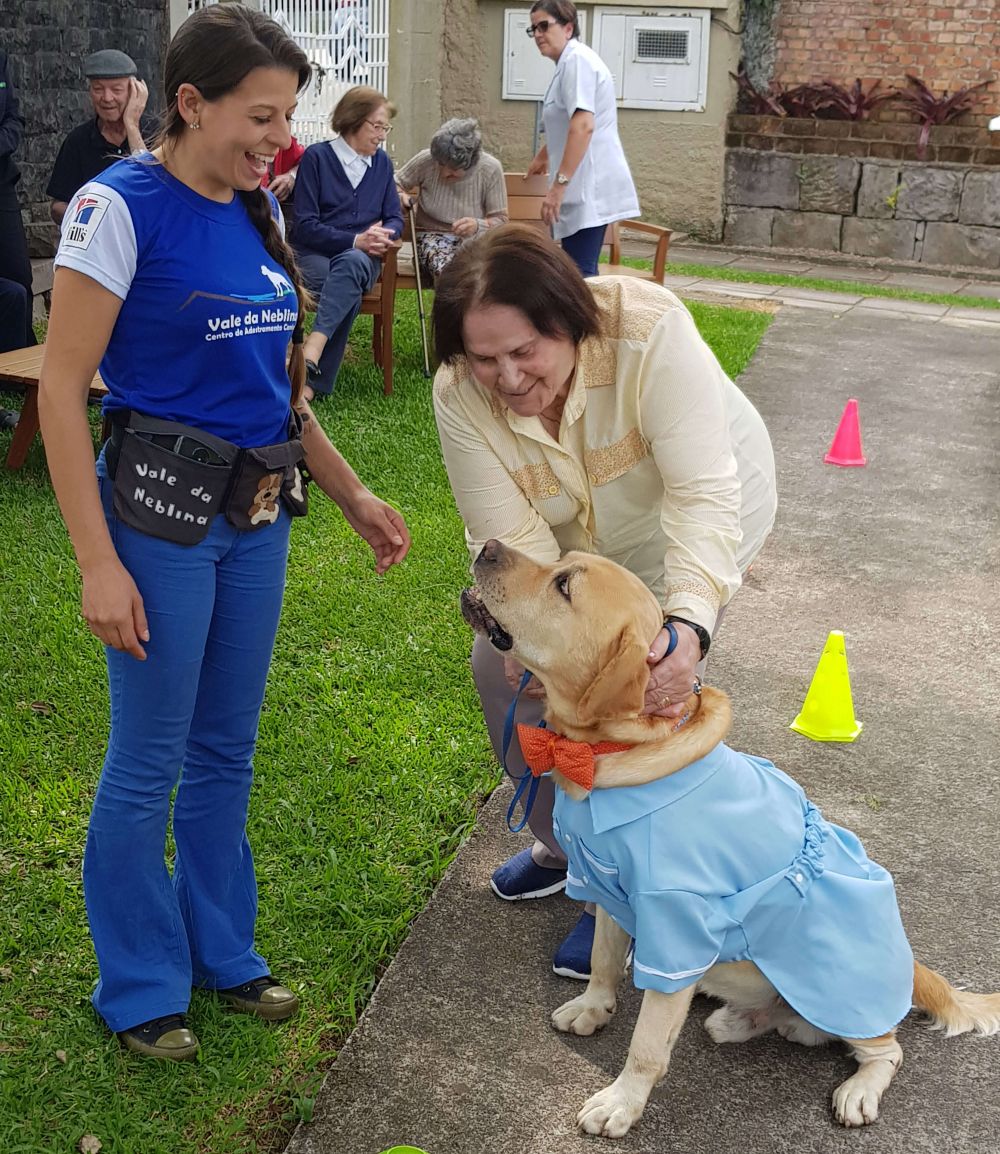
x=671 y=678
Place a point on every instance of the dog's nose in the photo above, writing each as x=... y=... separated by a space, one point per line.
x=490 y=552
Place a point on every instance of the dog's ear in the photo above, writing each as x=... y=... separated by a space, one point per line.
x=619 y=688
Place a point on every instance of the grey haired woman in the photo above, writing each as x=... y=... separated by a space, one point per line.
x=458 y=190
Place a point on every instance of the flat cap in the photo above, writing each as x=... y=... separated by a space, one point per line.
x=108 y=64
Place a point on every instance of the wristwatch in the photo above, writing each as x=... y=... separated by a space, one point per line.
x=560 y=179
x=704 y=637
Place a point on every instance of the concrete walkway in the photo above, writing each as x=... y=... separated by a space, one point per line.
x=963 y=282
x=455 y=1053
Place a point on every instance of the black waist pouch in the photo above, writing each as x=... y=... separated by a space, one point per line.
x=266 y=475
x=170 y=480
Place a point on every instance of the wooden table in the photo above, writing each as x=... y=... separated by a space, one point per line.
x=22 y=368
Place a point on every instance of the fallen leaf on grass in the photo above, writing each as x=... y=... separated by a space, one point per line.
x=42 y=707
x=89 y=1144
x=61 y=1055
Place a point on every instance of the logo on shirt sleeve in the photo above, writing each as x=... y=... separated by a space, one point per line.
x=84 y=219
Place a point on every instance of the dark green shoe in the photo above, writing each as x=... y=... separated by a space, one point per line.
x=168 y=1037
x=263 y=997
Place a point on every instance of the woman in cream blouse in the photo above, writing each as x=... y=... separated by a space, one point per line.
x=591 y=415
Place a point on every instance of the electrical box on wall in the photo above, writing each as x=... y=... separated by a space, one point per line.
x=526 y=72
x=659 y=59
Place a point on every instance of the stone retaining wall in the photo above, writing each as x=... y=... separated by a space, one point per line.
x=938 y=214
x=46 y=42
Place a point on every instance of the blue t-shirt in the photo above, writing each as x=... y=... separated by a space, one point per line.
x=727 y=860
x=206 y=318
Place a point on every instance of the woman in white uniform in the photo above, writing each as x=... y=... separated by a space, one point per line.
x=590 y=185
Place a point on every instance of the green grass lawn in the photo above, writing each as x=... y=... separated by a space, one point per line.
x=371 y=764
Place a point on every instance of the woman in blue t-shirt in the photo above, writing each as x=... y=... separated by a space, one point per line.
x=174 y=277
x=347 y=215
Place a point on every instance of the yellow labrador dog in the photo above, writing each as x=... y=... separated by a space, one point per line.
x=730 y=881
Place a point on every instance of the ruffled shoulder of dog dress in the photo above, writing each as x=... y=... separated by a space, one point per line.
x=727 y=860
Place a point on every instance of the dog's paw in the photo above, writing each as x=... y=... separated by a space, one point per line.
x=856 y=1101
x=803 y=1033
x=730 y=1025
x=584 y=1015
x=611 y=1112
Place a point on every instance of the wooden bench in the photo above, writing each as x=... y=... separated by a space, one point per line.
x=524 y=203
x=22 y=369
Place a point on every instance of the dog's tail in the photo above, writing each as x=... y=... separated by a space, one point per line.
x=954 y=1011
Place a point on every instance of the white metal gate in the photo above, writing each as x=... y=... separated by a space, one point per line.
x=347 y=42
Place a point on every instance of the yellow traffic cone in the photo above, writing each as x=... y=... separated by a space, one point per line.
x=828 y=711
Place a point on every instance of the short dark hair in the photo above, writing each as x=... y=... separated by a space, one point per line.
x=518 y=266
x=561 y=11
x=356 y=106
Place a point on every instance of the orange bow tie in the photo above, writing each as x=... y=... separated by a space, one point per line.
x=544 y=750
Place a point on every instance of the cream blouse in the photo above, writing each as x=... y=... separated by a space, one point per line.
x=662 y=464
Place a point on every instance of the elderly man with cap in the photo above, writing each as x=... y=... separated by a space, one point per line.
x=119 y=99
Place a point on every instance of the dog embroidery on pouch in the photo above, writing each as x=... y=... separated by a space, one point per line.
x=264 y=507
x=296 y=492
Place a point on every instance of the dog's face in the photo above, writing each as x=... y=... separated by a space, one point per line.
x=583 y=624
x=269 y=489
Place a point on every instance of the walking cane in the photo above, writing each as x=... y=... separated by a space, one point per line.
x=420 y=290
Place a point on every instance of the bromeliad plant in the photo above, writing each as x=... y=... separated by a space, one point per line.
x=932 y=108
x=755 y=101
x=836 y=102
x=831 y=101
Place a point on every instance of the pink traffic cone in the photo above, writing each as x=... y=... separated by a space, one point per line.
x=846 y=447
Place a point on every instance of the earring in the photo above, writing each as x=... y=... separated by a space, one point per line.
x=194 y=124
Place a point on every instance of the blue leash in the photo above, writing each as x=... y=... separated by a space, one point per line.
x=527 y=781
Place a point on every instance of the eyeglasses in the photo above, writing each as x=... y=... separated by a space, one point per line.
x=542 y=26
x=385 y=129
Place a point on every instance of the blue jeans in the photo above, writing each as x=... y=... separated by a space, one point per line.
x=15 y=316
x=584 y=247
x=188 y=712
x=339 y=282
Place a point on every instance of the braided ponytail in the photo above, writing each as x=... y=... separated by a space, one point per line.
x=214 y=50
x=258 y=206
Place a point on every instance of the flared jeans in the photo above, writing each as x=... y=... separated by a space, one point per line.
x=186 y=717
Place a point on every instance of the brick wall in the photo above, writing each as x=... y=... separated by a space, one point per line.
x=950 y=143
x=47 y=41
x=948 y=45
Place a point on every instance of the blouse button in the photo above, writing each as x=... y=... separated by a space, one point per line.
x=553 y=490
x=593 y=478
x=798 y=877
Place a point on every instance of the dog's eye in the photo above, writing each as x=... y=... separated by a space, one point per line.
x=562 y=584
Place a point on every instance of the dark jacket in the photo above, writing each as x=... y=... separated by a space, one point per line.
x=11 y=128
x=329 y=213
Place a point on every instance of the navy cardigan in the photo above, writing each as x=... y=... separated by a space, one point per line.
x=329 y=214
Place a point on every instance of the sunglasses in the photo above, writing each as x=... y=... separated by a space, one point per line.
x=542 y=26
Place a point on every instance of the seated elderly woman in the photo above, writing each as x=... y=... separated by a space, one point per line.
x=347 y=215
x=459 y=191
x=590 y=414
